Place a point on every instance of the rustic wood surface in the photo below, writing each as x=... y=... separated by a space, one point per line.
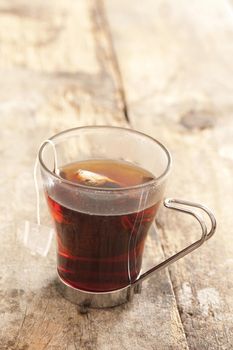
x=162 y=67
x=59 y=70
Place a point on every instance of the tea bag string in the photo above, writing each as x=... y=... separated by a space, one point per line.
x=141 y=205
x=36 y=180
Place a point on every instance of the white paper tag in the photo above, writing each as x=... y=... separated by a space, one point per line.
x=37 y=238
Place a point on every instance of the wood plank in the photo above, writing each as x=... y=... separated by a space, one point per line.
x=59 y=72
x=176 y=65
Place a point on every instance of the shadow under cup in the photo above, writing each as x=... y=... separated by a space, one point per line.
x=101 y=232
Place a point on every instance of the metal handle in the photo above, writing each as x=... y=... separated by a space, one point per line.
x=181 y=205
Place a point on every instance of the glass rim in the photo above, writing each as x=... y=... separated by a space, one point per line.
x=153 y=182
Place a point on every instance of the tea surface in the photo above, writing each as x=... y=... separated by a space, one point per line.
x=120 y=173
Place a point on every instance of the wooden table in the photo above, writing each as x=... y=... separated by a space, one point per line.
x=162 y=67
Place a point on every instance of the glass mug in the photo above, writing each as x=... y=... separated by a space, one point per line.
x=101 y=231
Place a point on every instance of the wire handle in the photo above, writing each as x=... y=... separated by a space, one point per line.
x=181 y=205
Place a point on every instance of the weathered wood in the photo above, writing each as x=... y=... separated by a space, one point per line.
x=58 y=71
x=176 y=64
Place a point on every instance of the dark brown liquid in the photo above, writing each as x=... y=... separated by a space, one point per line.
x=101 y=252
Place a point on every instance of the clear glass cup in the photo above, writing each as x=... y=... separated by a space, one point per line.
x=101 y=232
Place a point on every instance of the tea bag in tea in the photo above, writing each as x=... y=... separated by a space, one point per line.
x=93 y=179
x=90 y=178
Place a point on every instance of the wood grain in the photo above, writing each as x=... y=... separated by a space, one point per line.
x=59 y=71
x=176 y=65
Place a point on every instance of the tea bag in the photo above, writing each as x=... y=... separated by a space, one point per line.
x=90 y=178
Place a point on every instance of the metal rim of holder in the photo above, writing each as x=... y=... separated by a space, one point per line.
x=120 y=296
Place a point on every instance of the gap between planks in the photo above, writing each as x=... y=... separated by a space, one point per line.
x=100 y=19
x=100 y=24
